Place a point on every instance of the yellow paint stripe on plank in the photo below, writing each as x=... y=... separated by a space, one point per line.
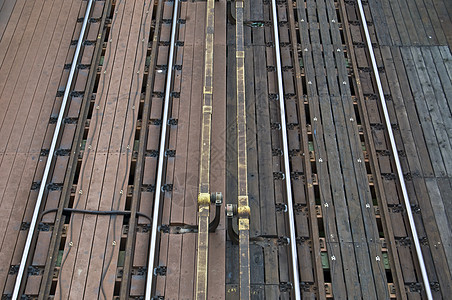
x=204 y=170
x=242 y=175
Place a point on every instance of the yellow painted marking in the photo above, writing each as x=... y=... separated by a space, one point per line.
x=242 y=172
x=244 y=224
x=204 y=169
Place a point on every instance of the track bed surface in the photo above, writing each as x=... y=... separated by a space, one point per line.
x=353 y=238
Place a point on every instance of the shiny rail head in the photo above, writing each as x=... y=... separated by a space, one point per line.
x=395 y=153
x=56 y=134
x=160 y=167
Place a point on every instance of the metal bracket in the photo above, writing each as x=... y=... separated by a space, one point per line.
x=160 y=271
x=231 y=211
x=216 y=198
x=285 y=287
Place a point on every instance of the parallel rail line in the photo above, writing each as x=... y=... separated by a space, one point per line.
x=204 y=197
x=49 y=162
x=139 y=173
x=395 y=154
x=287 y=171
x=161 y=156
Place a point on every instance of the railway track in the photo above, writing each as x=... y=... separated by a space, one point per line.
x=84 y=128
x=51 y=154
x=316 y=173
x=322 y=206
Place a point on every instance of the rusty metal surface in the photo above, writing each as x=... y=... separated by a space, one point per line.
x=204 y=164
x=242 y=174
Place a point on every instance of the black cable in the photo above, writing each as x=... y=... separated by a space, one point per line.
x=231 y=232
x=137 y=91
x=96 y=212
x=87 y=146
x=231 y=18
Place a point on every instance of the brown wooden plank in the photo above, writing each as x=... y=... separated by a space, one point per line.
x=388 y=194
x=14 y=33
x=310 y=265
x=442 y=69
x=180 y=172
x=7 y=208
x=357 y=160
x=424 y=18
x=117 y=165
x=251 y=136
x=439 y=210
x=8 y=14
x=61 y=161
x=6 y=167
x=21 y=73
x=434 y=256
x=445 y=189
x=153 y=140
x=174 y=242
x=35 y=127
x=191 y=184
x=380 y=22
x=434 y=19
x=444 y=18
x=124 y=131
x=435 y=156
x=217 y=240
x=94 y=167
x=424 y=38
x=391 y=20
x=411 y=29
x=441 y=90
x=11 y=71
x=324 y=118
x=427 y=103
x=21 y=195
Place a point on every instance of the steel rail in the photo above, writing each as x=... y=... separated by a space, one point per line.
x=396 y=155
x=293 y=243
x=140 y=163
x=55 y=137
x=158 y=186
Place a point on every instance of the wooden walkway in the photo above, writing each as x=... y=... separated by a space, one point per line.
x=353 y=236
x=178 y=251
x=36 y=44
x=417 y=79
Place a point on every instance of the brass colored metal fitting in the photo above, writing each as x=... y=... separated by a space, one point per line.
x=244 y=224
x=242 y=201
x=203 y=199
x=243 y=211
